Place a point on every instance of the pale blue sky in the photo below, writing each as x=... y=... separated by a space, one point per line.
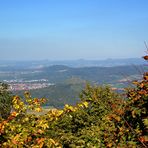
x=72 y=29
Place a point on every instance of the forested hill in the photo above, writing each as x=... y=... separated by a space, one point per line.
x=59 y=73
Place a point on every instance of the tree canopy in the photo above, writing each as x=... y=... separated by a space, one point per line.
x=5 y=100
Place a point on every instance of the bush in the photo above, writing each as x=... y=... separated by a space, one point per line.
x=5 y=101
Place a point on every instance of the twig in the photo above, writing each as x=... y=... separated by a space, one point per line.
x=146 y=46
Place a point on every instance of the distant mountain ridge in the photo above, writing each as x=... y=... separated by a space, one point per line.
x=71 y=63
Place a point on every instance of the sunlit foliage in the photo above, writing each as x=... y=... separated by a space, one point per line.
x=102 y=118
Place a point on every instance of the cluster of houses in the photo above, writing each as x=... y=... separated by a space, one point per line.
x=16 y=85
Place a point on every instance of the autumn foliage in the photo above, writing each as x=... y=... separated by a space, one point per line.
x=103 y=118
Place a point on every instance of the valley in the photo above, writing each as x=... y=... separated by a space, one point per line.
x=62 y=84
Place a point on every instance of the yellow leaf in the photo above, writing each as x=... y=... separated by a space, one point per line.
x=109 y=145
x=38 y=109
x=52 y=141
x=133 y=114
x=118 y=118
x=85 y=104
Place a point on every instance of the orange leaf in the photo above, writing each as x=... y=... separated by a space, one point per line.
x=146 y=57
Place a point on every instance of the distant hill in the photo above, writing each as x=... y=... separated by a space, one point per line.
x=101 y=75
x=16 y=65
x=60 y=73
x=100 y=63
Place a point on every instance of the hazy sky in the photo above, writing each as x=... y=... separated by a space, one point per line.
x=72 y=29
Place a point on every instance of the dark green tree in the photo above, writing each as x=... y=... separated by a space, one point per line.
x=5 y=100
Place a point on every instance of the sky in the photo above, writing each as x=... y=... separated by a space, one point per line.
x=72 y=29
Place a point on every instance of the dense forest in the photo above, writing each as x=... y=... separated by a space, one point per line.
x=57 y=95
x=102 y=118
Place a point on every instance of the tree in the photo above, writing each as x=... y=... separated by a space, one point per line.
x=5 y=100
x=127 y=124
